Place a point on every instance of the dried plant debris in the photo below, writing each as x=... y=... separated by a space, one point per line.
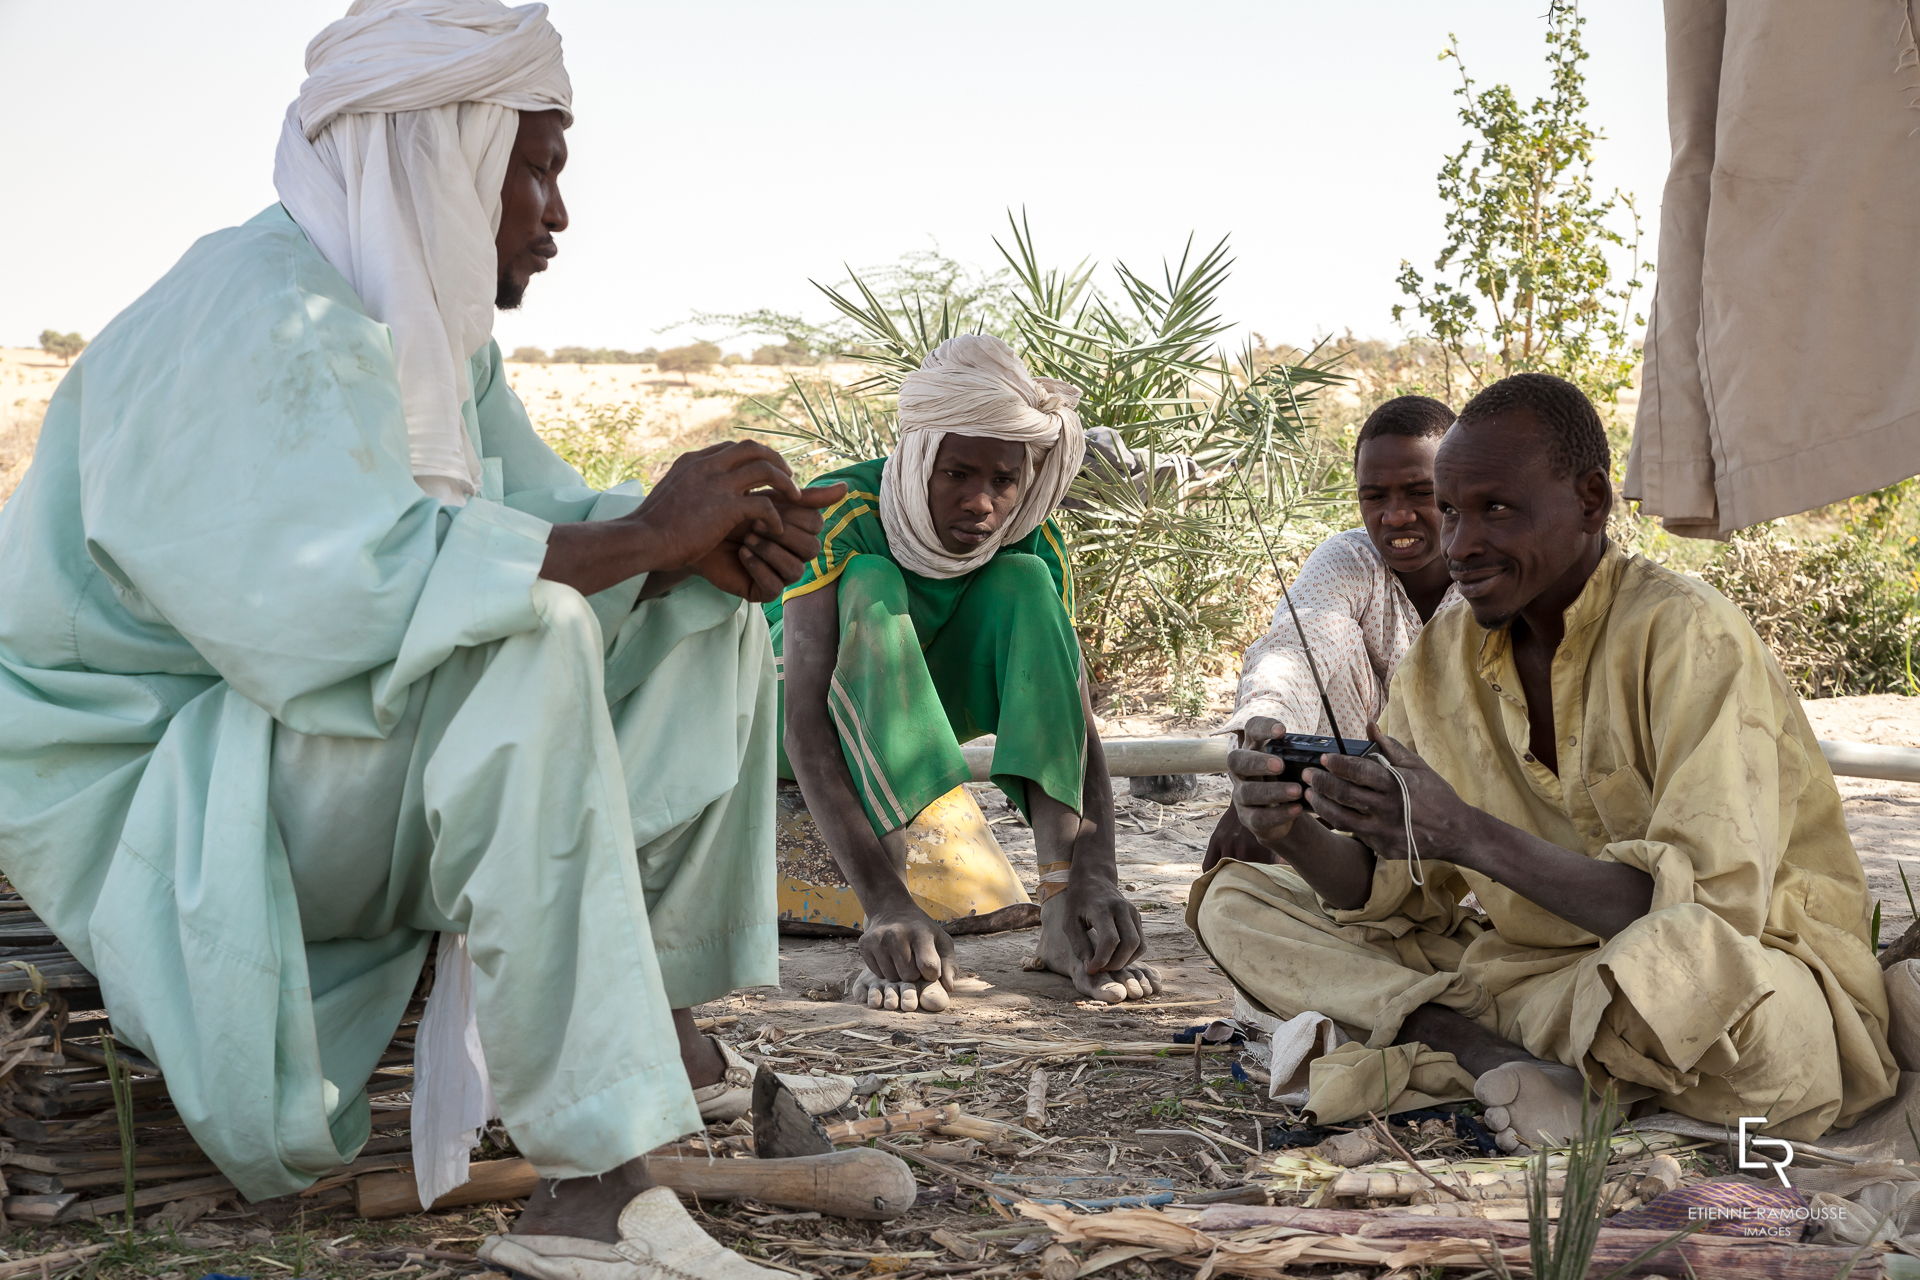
x=1077 y=1110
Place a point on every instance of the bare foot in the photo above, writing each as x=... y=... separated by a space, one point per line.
x=588 y=1208
x=1054 y=952
x=1531 y=1104
x=876 y=992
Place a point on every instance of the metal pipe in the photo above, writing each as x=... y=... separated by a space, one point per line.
x=1865 y=760
x=1136 y=757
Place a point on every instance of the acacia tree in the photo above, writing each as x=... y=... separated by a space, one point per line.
x=64 y=345
x=695 y=357
x=1525 y=280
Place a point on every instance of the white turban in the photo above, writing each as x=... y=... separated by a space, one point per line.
x=975 y=385
x=391 y=160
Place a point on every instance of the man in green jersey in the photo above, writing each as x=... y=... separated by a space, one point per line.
x=938 y=610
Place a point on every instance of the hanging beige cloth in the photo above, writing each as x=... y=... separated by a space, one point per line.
x=1783 y=358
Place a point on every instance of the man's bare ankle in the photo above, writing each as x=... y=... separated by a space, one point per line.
x=1478 y=1049
x=699 y=1053
x=705 y=1063
x=587 y=1208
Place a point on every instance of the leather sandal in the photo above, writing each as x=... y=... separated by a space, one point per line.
x=732 y=1095
x=658 y=1241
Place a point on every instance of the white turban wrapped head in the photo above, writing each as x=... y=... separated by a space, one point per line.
x=976 y=385
x=391 y=160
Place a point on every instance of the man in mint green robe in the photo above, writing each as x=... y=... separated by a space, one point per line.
x=311 y=650
x=225 y=604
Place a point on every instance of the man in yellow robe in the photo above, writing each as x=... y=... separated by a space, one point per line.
x=1605 y=754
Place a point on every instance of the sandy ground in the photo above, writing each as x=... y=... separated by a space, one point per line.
x=27 y=380
x=1884 y=817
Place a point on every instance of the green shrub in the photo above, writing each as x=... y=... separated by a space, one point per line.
x=1523 y=281
x=793 y=351
x=1841 y=613
x=598 y=442
x=598 y=355
x=527 y=355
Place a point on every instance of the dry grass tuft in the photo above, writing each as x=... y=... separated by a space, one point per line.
x=19 y=428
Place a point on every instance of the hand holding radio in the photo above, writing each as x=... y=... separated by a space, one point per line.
x=1359 y=794
x=1265 y=799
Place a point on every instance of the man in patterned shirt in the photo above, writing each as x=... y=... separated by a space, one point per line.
x=1362 y=596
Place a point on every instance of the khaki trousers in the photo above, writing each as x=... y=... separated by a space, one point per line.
x=1678 y=1006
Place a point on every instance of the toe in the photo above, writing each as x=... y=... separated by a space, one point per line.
x=891 y=1000
x=934 y=997
x=1498 y=1118
x=1499 y=1087
x=1505 y=1140
x=909 y=998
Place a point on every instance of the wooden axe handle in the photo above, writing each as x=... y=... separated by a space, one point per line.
x=856 y=1183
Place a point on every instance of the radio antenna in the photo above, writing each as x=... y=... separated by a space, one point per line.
x=1415 y=872
x=1254 y=512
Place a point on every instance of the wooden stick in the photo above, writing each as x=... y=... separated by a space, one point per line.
x=167 y=1193
x=1905 y=947
x=851 y=1131
x=1136 y=757
x=40 y=1208
x=857 y=1183
x=966 y=1126
x=147 y=1173
x=1036 y=1112
x=1387 y=1135
x=388 y=1194
x=47 y=1263
x=1707 y=1257
x=87 y=1053
x=791 y=1036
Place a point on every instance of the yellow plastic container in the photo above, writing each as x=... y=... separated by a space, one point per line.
x=955 y=869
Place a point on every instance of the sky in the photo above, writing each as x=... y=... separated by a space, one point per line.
x=726 y=152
